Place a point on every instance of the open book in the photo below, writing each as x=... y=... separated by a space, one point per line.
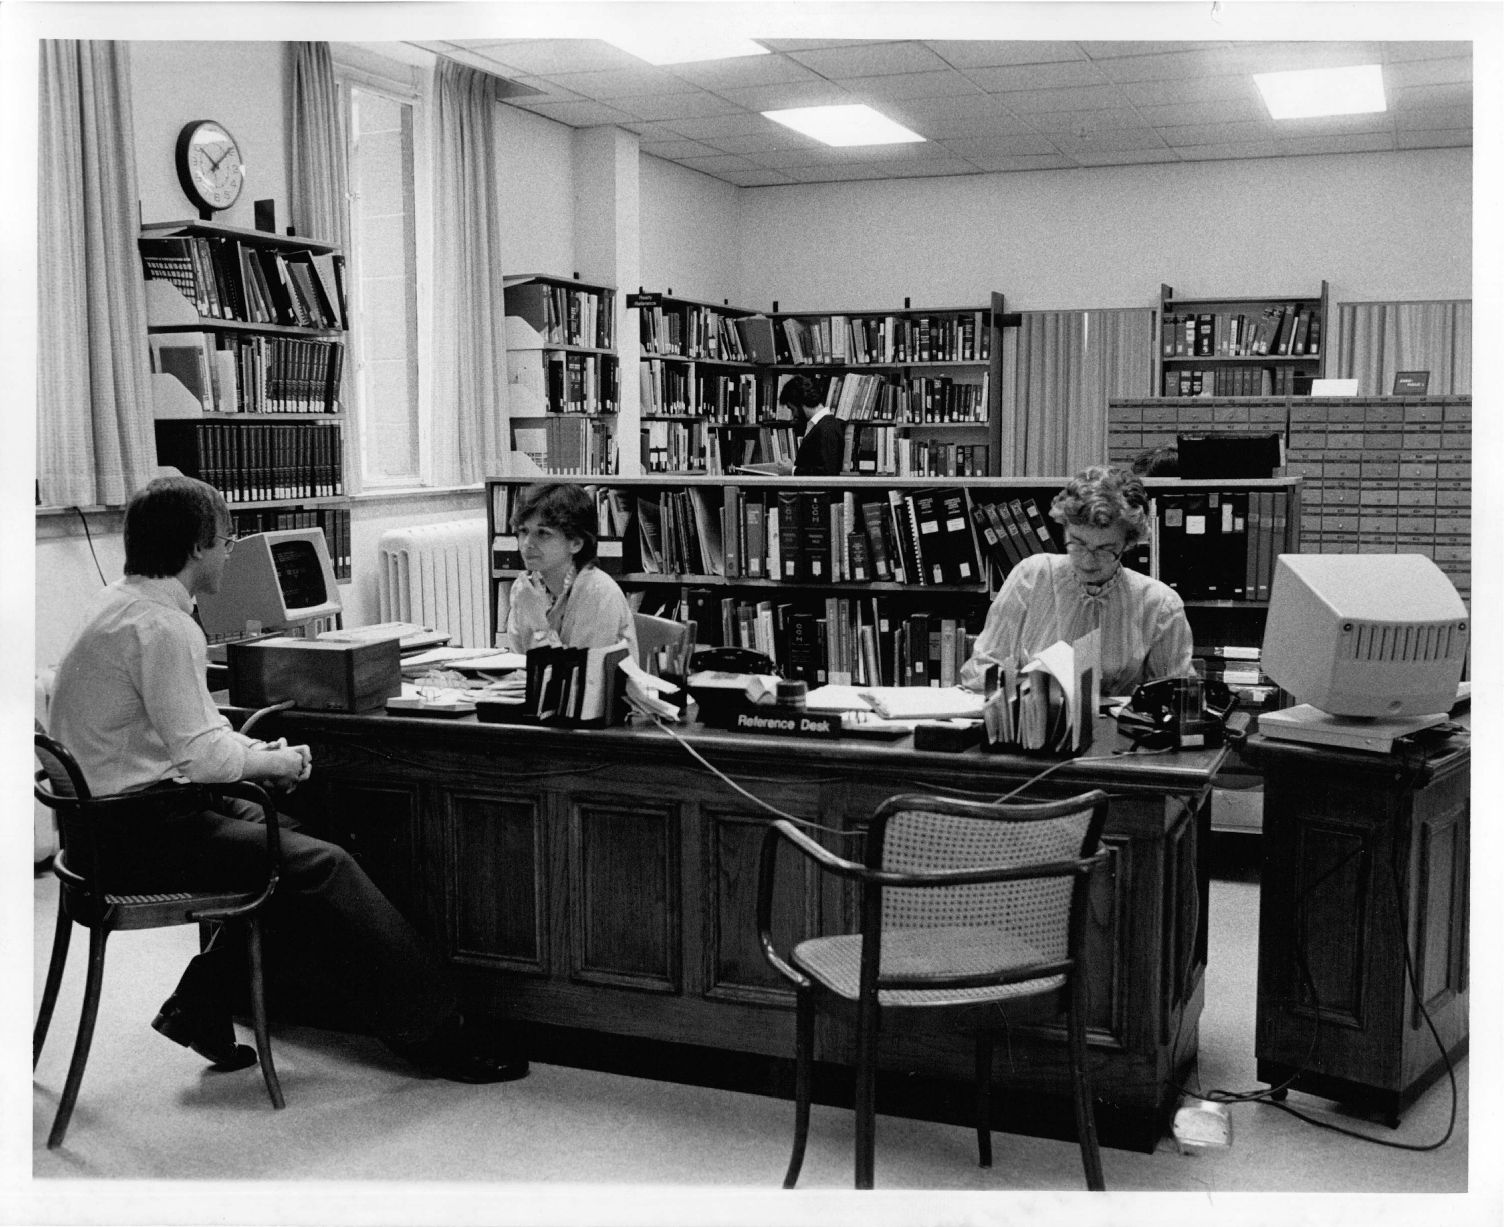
x=1051 y=701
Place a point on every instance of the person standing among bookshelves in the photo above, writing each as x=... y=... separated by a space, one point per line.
x=821 y=451
x=564 y=599
x=1047 y=597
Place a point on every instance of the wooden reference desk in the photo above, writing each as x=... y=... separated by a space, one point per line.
x=1365 y=863
x=597 y=889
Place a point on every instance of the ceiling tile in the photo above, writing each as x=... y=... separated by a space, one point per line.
x=674 y=151
x=710 y=127
x=1427 y=72
x=1032 y=161
x=1422 y=118
x=1216 y=134
x=833 y=174
x=1119 y=138
x=974 y=105
x=742 y=71
x=1238 y=149
x=812 y=44
x=695 y=105
x=1214 y=60
x=1053 y=122
x=989 y=53
x=649 y=131
x=906 y=85
x=778 y=137
x=755 y=178
x=584 y=114
x=1435 y=138
x=979 y=124
x=550 y=55
x=1084 y=98
x=546 y=89
x=871 y=59
x=1124 y=50
x=973 y=147
x=1415 y=97
x=1321 y=125
x=1286 y=56
x=927 y=166
x=622 y=82
x=827 y=155
x=1192 y=89
x=1338 y=142
x=1211 y=111
x=1394 y=53
x=1036 y=76
x=716 y=163
x=791 y=94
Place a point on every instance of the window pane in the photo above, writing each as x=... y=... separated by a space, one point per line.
x=382 y=235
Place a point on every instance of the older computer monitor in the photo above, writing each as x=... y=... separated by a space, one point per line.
x=1360 y=638
x=273 y=581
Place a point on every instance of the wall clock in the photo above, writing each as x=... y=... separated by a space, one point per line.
x=209 y=166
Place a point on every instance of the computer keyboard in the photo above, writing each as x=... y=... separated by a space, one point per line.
x=410 y=635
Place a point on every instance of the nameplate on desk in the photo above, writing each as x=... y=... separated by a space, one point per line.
x=788 y=722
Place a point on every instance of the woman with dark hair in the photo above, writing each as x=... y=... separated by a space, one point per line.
x=564 y=599
x=1048 y=597
x=821 y=450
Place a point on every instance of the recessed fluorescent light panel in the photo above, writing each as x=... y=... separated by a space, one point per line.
x=686 y=47
x=845 y=125
x=1322 y=91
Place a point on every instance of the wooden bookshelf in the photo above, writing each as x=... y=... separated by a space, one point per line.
x=1249 y=346
x=715 y=549
x=563 y=376
x=247 y=331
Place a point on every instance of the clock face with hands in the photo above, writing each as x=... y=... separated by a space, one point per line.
x=209 y=165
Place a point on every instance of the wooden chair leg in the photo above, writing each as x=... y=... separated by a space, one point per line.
x=864 y=1095
x=805 y=1024
x=1084 y=1106
x=259 y=1012
x=92 y=984
x=985 y=1050
x=60 y=939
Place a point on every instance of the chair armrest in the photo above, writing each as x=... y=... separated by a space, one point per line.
x=246 y=790
x=774 y=833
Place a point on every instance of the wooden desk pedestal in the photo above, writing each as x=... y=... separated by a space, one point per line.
x=1364 y=866
x=597 y=890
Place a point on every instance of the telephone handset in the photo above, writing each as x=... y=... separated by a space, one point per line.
x=731 y=660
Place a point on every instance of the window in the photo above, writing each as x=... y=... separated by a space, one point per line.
x=380 y=127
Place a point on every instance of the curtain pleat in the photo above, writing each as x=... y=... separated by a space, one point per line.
x=469 y=427
x=317 y=149
x=1067 y=366
x=95 y=441
x=1376 y=340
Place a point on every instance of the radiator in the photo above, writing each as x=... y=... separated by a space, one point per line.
x=436 y=575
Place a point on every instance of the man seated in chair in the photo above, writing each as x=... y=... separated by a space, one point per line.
x=132 y=705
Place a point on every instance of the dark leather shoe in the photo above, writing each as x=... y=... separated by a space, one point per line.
x=476 y=1067
x=195 y=1029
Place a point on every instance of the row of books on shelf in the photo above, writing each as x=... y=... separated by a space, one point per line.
x=557 y=381
x=568 y=443
x=859 y=397
x=854 y=340
x=1279 y=380
x=335 y=522
x=1292 y=329
x=719 y=396
x=1218 y=545
x=562 y=314
x=846 y=641
x=689 y=330
x=256 y=461
x=225 y=278
x=252 y=374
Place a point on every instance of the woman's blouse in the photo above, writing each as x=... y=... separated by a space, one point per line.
x=1143 y=631
x=591 y=612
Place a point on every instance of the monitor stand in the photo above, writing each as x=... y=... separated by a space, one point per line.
x=1310 y=724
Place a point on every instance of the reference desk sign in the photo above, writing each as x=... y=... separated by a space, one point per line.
x=785 y=721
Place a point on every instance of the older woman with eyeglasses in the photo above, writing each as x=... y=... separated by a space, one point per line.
x=1048 y=597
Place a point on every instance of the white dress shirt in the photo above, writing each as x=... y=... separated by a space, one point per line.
x=1143 y=631
x=131 y=703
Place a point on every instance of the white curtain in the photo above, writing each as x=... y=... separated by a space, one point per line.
x=1061 y=372
x=1376 y=340
x=317 y=148
x=469 y=423
x=95 y=441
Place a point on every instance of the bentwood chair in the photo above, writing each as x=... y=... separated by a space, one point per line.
x=972 y=914
x=88 y=828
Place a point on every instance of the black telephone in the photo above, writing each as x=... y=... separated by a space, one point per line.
x=732 y=660
x=1170 y=713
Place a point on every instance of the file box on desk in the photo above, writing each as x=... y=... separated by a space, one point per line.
x=317 y=674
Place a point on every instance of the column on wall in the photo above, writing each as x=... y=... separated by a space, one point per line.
x=606 y=162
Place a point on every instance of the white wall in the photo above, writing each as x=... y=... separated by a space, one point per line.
x=1377 y=226
x=536 y=184
x=687 y=224
x=241 y=84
